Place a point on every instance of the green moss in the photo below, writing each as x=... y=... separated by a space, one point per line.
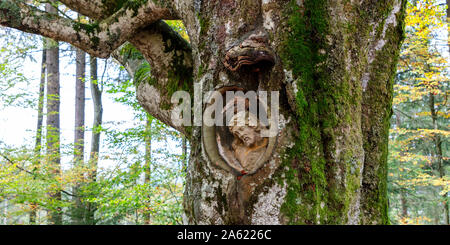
x=313 y=194
x=112 y=6
x=10 y=11
x=129 y=52
x=143 y=74
x=375 y=199
x=306 y=178
x=201 y=71
x=133 y=5
x=179 y=76
x=204 y=24
x=326 y=101
x=91 y=28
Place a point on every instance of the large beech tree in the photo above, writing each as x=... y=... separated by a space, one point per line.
x=332 y=62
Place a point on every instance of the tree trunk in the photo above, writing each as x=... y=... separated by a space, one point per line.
x=438 y=154
x=147 y=166
x=184 y=153
x=334 y=67
x=53 y=129
x=98 y=112
x=332 y=63
x=96 y=130
x=38 y=144
x=402 y=190
x=80 y=59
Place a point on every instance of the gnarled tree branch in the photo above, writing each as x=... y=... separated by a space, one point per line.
x=98 y=39
x=163 y=66
x=163 y=63
x=94 y=9
x=101 y=9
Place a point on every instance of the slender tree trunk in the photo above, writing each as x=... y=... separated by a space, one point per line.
x=446 y=198
x=403 y=200
x=98 y=112
x=38 y=144
x=38 y=141
x=96 y=94
x=448 y=13
x=147 y=167
x=79 y=209
x=404 y=204
x=184 y=152
x=438 y=152
x=53 y=122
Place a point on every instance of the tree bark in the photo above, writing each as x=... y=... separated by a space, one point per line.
x=38 y=143
x=53 y=128
x=331 y=61
x=96 y=94
x=438 y=154
x=80 y=59
x=403 y=193
x=147 y=166
x=184 y=148
x=334 y=68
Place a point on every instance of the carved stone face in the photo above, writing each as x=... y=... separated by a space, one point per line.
x=239 y=145
x=248 y=135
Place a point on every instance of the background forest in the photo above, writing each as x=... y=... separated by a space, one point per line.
x=96 y=157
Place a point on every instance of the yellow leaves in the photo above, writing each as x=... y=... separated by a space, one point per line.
x=420 y=220
x=424 y=62
x=83 y=21
x=425 y=179
x=178 y=26
x=423 y=113
x=419 y=133
x=406 y=93
x=424 y=16
x=433 y=132
x=411 y=158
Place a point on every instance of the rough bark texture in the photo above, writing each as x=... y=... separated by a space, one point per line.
x=334 y=66
x=80 y=59
x=53 y=129
x=147 y=166
x=332 y=62
x=40 y=119
x=96 y=94
x=79 y=105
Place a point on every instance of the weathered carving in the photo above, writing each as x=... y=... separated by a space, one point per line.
x=239 y=146
x=252 y=51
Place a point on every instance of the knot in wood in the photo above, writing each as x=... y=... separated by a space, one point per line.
x=252 y=52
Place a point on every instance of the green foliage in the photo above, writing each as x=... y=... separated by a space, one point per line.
x=14 y=52
x=129 y=185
